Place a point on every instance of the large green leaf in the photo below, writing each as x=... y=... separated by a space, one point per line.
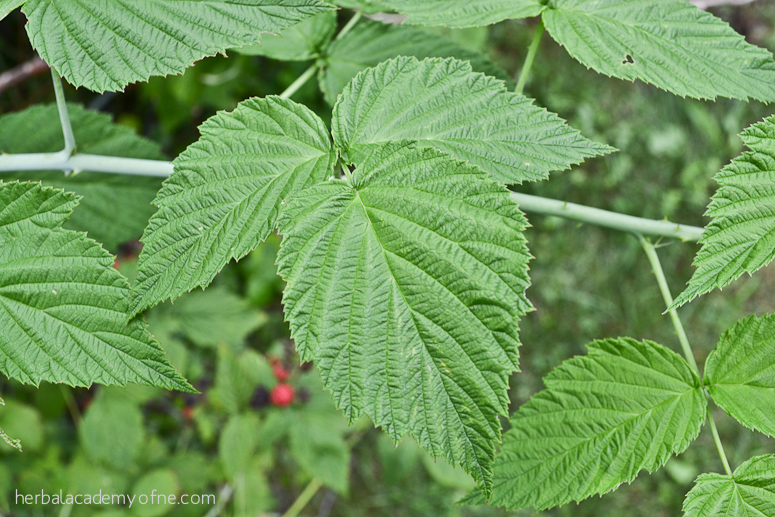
x=750 y=492
x=442 y=103
x=303 y=41
x=464 y=13
x=115 y=207
x=668 y=43
x=625 y=407
x=371 y=43
x=107 y=45
x=741 y=235
x=226 y=192
x=740 y=373
x=63 y=308
x=405 y=286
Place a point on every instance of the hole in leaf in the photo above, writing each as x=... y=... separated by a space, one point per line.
x=628 y=60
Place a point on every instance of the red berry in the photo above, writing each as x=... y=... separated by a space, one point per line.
x=188 y=412
x=280 y=373
x=282 y=395
x=116 y=263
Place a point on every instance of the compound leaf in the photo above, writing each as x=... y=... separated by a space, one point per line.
x=303 y=41
x=405 y=286
x=107 y=45
x=442 y=103
x=749 y=492
x=625 y=407
x=115 y=207
x=668 y=43
x=370 y=43
x=226 y=192
x=464 y=13
x=740 y=373
x=63 y=308
x=741 y=235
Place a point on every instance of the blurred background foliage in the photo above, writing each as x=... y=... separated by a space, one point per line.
x=258 y=456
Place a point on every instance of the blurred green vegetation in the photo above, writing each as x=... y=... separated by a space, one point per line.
x=257 y=458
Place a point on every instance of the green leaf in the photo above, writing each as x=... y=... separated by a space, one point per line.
x=303 y=41
x=741 y=235
x=370 y=43
x=235 y=380
x=366 y=6
x=464 y=13
x=6 y=6
x=625 y=407
x=46 y=273
x=226 y=192
x=156 y=487
x=209 y=318
x=405 y=287
x=24 y=421
x=113 y=432
x=750 y=492
x=238 y=443
x=668 y=43
x=107 y=45
x=115 y=207
x=323 y=455
x=442 y=103
x=740 y=373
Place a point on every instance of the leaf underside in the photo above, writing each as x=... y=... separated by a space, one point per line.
x=464 y=13
x=62 y=305
x=740 y=373
x=627 y=406
x=668 y=43
x=750 y=492
x=226 y=192
x=405 y=287
x=741 y=235
x=107 y=45
x=442 y=103
x=115 y=207
x=370 y=43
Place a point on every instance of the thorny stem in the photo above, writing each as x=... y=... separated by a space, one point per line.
x=301 y=81
x=656 y=266
x=64 y=117
x=531 y=55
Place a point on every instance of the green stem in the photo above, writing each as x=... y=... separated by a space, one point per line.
x=719 y=445
x=614 y=220
x=301 y=81
x=304 y=498
x=84 y=162
x=64 y=117
x=656 y=266
x=531 y=55
x=347 y=28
